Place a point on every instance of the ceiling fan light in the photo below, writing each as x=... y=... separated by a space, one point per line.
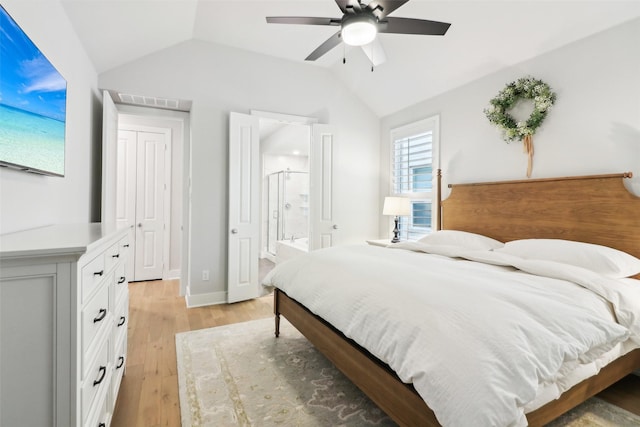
x=359 y=33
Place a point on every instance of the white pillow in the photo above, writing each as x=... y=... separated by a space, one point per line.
x=600 y=259
x=462 y=239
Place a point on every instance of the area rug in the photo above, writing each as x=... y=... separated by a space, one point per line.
x=240 y=375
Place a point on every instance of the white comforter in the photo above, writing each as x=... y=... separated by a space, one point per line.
x=476 y=339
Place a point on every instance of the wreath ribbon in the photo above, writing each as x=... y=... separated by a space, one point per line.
x=528 y=148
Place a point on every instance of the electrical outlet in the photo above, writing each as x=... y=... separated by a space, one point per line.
x=205 y=274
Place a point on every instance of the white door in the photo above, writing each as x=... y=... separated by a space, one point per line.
x=109 y=143
x=323 y=227
x=141 y=196
x=244 y=207
x=126 y=190
x=150 y=190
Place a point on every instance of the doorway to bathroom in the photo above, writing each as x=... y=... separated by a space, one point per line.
x=293 y=215
x=285 y=189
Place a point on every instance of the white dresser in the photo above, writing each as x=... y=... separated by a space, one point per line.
x=64 y=308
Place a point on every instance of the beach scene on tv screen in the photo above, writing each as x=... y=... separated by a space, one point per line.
x=32 y=103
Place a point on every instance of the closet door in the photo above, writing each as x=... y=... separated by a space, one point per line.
x=150 y=191
x=142 y=177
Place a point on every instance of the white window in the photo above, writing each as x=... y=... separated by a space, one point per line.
x=414 y=159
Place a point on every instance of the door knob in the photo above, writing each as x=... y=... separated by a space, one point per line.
x=335 y=226
x=234 y=231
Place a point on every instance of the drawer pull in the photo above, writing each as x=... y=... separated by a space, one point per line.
x=125 y=246
x=101 y=315
x=121 y=280
x=102 y=372
x=122 y=320
x=102 y=425
x=120 y=362
x=99 y=273
x=115 y=256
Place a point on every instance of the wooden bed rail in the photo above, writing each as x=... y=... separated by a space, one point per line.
x=529 y=181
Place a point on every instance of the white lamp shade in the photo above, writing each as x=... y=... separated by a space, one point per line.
x=359 y=31
x=397 y=206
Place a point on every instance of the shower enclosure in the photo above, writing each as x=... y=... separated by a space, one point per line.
x=288 y=209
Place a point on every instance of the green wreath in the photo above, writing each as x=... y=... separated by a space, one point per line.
x=525 y=88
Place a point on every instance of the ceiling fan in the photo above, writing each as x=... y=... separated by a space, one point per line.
x=361 y=22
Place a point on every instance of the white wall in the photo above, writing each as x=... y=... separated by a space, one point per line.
x=593 y=128
x=28 y=200
x=220 y=79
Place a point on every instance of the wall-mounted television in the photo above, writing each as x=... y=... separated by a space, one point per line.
x=33 y=104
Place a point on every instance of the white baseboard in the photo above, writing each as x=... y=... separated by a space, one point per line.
x=201 y=300
x=172 y=274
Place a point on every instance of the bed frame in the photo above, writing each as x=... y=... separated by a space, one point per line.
x=595 y=209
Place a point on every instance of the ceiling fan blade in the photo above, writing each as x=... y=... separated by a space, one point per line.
x=375 y=52
x=385 y=6
x=342 y=4
x=302 y=20
x=413 y=26
x=325 y=47
x=345 y=5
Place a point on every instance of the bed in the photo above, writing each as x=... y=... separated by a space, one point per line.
x=592 y=209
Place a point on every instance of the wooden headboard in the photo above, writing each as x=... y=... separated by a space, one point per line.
x=594 y=209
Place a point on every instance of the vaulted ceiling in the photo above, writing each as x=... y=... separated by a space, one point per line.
x=484 y=37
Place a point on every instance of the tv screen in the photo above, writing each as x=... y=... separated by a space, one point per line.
x=33 y=103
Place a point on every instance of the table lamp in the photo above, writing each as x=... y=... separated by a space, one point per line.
x=396 y=206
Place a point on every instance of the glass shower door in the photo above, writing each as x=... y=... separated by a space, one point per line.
x=273 y=208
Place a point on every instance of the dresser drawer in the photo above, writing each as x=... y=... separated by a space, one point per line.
x=124 y=248
x=120 y=361
x=121 y=283
x=112 y=256
x=121 y=318
x=104 y=415
x=97 y=380
x=100 y=415
x=92 y=275
x=95 y=316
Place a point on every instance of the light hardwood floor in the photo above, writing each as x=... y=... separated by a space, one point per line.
x=149 y=392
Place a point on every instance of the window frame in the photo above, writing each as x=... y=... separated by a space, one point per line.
x=429 y=124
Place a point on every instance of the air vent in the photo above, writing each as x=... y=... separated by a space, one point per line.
x=149 y=101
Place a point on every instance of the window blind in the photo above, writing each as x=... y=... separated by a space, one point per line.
x=412 y=175
x=413 y=163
